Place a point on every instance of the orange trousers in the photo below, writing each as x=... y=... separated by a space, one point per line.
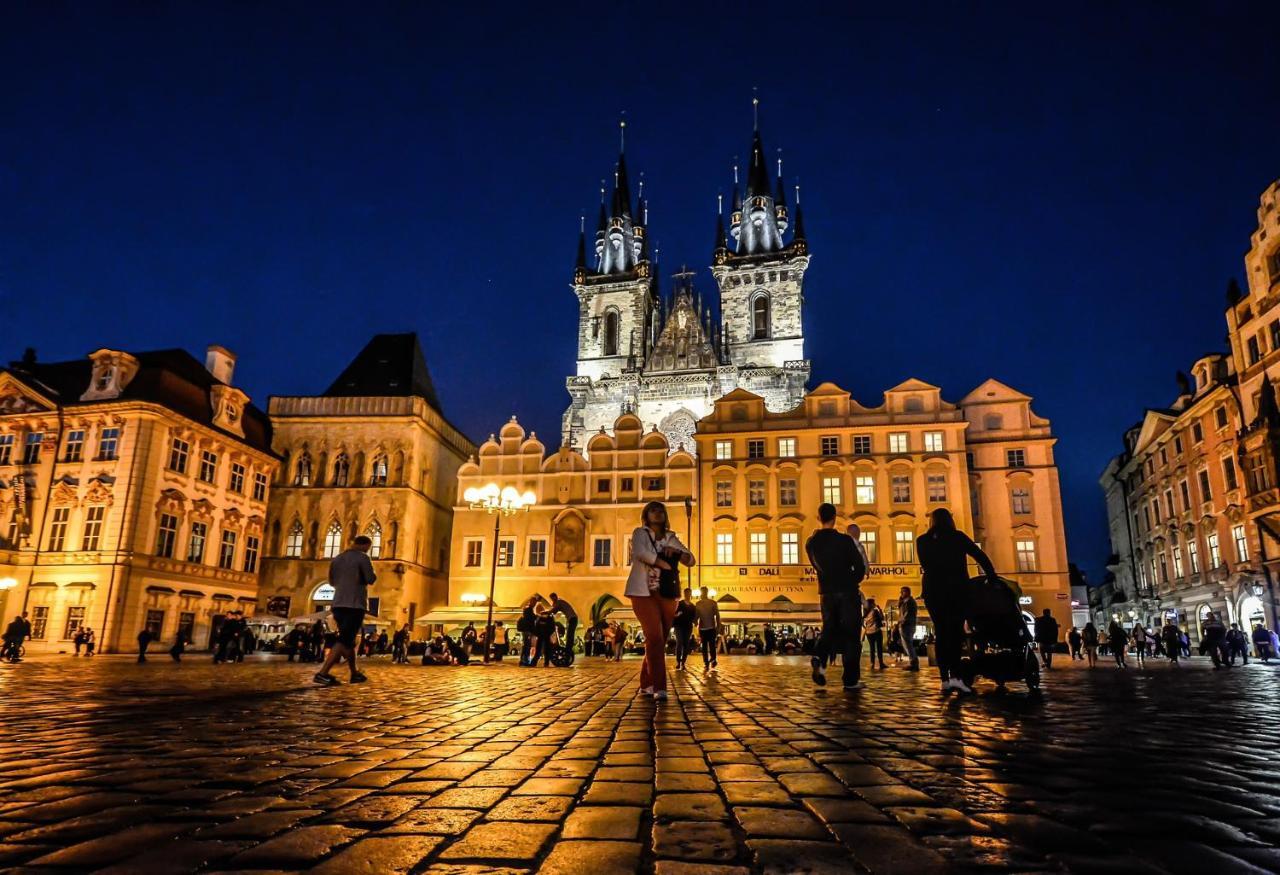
x=655 y=615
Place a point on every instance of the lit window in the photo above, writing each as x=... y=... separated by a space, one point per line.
x=864 y=490
x=1177 y=561
x=1026 y=555
x=259 y=487
x=227 y=550
x=293 y=543
x=75 y=446
x=904 y=547
x=787 y=493
x=862 y=444
x=937 y=487
x=602 y=553
x=724 y=449
x=755 y=493
x=75 y=619
x=933 y=441
x=724 y=493
x=786 y=448
x=302 y=475
x=166 y=535
x=378 y=473
x=760 y=317
x=93 y=527
x=178 y=450
x=58 y=529
x=374 y=533
x=208 y=466
x=195 y=546
x=474 y=553
x=250 y=554
x=898 y=442
x=755 y=448
x=341 y=470
x=332 y=540
x=1193 y=556
x=759 y=545
x=1015 y=458
x=1242 y=543
x=1021 y=501
x=724 y=548
x=831 y=490
x=537 y=552
x=6 y=449
x=789 y=542
x=507 y=552
x=900 y=488
x=39 y=622
x=235 y=480
x=108 y=443
x=868 y=539
x=830 y=445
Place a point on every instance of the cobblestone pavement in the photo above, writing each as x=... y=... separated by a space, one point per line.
x=107 y=765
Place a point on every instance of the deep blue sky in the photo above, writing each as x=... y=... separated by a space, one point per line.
x=1053 y=200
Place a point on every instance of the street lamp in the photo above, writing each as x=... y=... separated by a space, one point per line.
x=500 y=503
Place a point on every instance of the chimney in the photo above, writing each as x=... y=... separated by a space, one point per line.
x=221 y=362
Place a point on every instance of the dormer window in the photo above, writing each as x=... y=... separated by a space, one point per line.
x=112 y=371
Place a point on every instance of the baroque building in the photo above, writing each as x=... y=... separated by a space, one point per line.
x=666 y=359
x=133 y=493
x=374 y=455
x=1192 y=500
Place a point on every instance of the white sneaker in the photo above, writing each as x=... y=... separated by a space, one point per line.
x=946 y=687
x=660 y=695
x=646 y=691
x=961 y=686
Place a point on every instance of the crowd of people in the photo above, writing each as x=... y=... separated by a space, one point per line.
x=1223 y=643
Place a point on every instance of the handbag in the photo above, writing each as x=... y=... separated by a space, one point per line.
x=668 y=579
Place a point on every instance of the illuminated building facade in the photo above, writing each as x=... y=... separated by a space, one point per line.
x=133 y=493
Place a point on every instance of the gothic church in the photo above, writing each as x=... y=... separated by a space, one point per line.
x=667 y=359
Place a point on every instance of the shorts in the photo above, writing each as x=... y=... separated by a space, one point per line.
x=349 y=621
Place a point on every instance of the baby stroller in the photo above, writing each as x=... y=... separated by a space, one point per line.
x=998 y=645
x=561 y=656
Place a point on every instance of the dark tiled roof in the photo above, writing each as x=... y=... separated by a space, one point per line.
x=389 y=365
x=172 y=378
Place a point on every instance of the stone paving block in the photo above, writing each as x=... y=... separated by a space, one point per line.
x=813 y=784
x=531 y=808
x=626 y=773
x=756 y=793
x=793 y=857
x=884 y=795
x=605 y=858
x=549 y=787
x=605 y=792
x=473 y=869
x=420 y=788
x=468 y=797
x=937 y=821
x=500 y=841
x=377 y=855
x=682 y=867
x=373 y=810
x=891 y=850
x=688 y=840
x=433 y=821
x=261 y=825
x=740 y=772
x=97 y=852
x=1044 y=834
x=179 y=856
x=844 y=810
x=788 y=822
x=602 y=822
x=13 y=854
x=688 y=806
x=674 y=782
x=496 y=778
x=298 y=848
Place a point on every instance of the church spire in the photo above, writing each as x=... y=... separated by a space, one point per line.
x=620 y=239
x=758 y=224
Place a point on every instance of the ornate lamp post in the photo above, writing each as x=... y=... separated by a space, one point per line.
x=500 y=503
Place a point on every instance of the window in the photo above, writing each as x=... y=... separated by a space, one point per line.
x=786 y=448
x=93 y=518
x=378 y=473
x=208 y=466
x=1255 y=353
x=653 y=484
x=602 y=552
x=1215 y=554
x=155 y=623
x=195 y=546
x=374 y=533
x=341 y=470
x=602 y=485
x=724 y=449
x=293 y=543
x=831 y=490
x=755 y=448
x=1273 y=266
x=759 y=544
x=507 y=552
x=227 y=550
x=937 y=487
x=1021 y=499
x=108 y=443
x=474 y=553
x=75 y=619
x=864 y=489
x=6 y=449
x=31 y=449
x=611 y=332
x=900 y=488
x=789 y=547
x=39 y=622
x=933 y=441
x=1168 y=503
x=332 y=540
x=904 y=547
x=375 y=603
x=862 y=444
x=1229 y=472
x=755 y=493
x=235 y=480
x=251 y=546
x=58 y=529
x=1146 y=517
x=1177 y=445
x=1193 y=556
x=1026 y=555
x=787 y=493
x=186 y=626
x=898 y=442
x=1143 y=587
x=1242 y=543
x=724 y=548
x=869 y=543
x=537 y=552
x=1220 y=417
x=724 y=493
x=1275 y=333
x=168 y=533
x=760 y=318
x=627 y=484
x=968 y=461
x=178 y=452
x=1015 y=458
x=1164 y=455
x=1197 y=432
x=1155 y=510
x=1206 y=493
x=1186 y=494
x=1177 y=560
x=830 y=445
x=75 y=446
x=1163 y=576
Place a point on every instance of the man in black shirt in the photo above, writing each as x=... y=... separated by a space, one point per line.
x=840 y=567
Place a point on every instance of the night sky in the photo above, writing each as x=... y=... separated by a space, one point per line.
x=1054 y=201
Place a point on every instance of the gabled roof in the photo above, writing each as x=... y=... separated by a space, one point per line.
x=911 y=384
x=992 y=390
x=172 y=378
x=389 y=365
x=1154 y=423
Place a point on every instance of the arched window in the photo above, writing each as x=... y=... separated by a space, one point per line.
x=341 y=470
x=374 y=533
x=760 y=317
x=378 y=472
x=611 y=332
x=302 y=476
x=293 y=546
x=333 y=540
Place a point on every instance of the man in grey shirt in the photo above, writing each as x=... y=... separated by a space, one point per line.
x=350 y=575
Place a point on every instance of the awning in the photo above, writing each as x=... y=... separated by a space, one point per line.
x=82 y=585
x=166 y=590
x=223 y=597
x=463 y=614
x=325 y=615
x=191 y=593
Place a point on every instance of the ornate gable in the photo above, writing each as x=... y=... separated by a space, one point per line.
x=18 y=398
x=682 y=345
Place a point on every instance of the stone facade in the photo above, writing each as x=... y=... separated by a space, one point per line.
x=133 y=493
x=382 y=464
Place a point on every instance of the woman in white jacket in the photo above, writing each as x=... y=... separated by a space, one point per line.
x=654 y=549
